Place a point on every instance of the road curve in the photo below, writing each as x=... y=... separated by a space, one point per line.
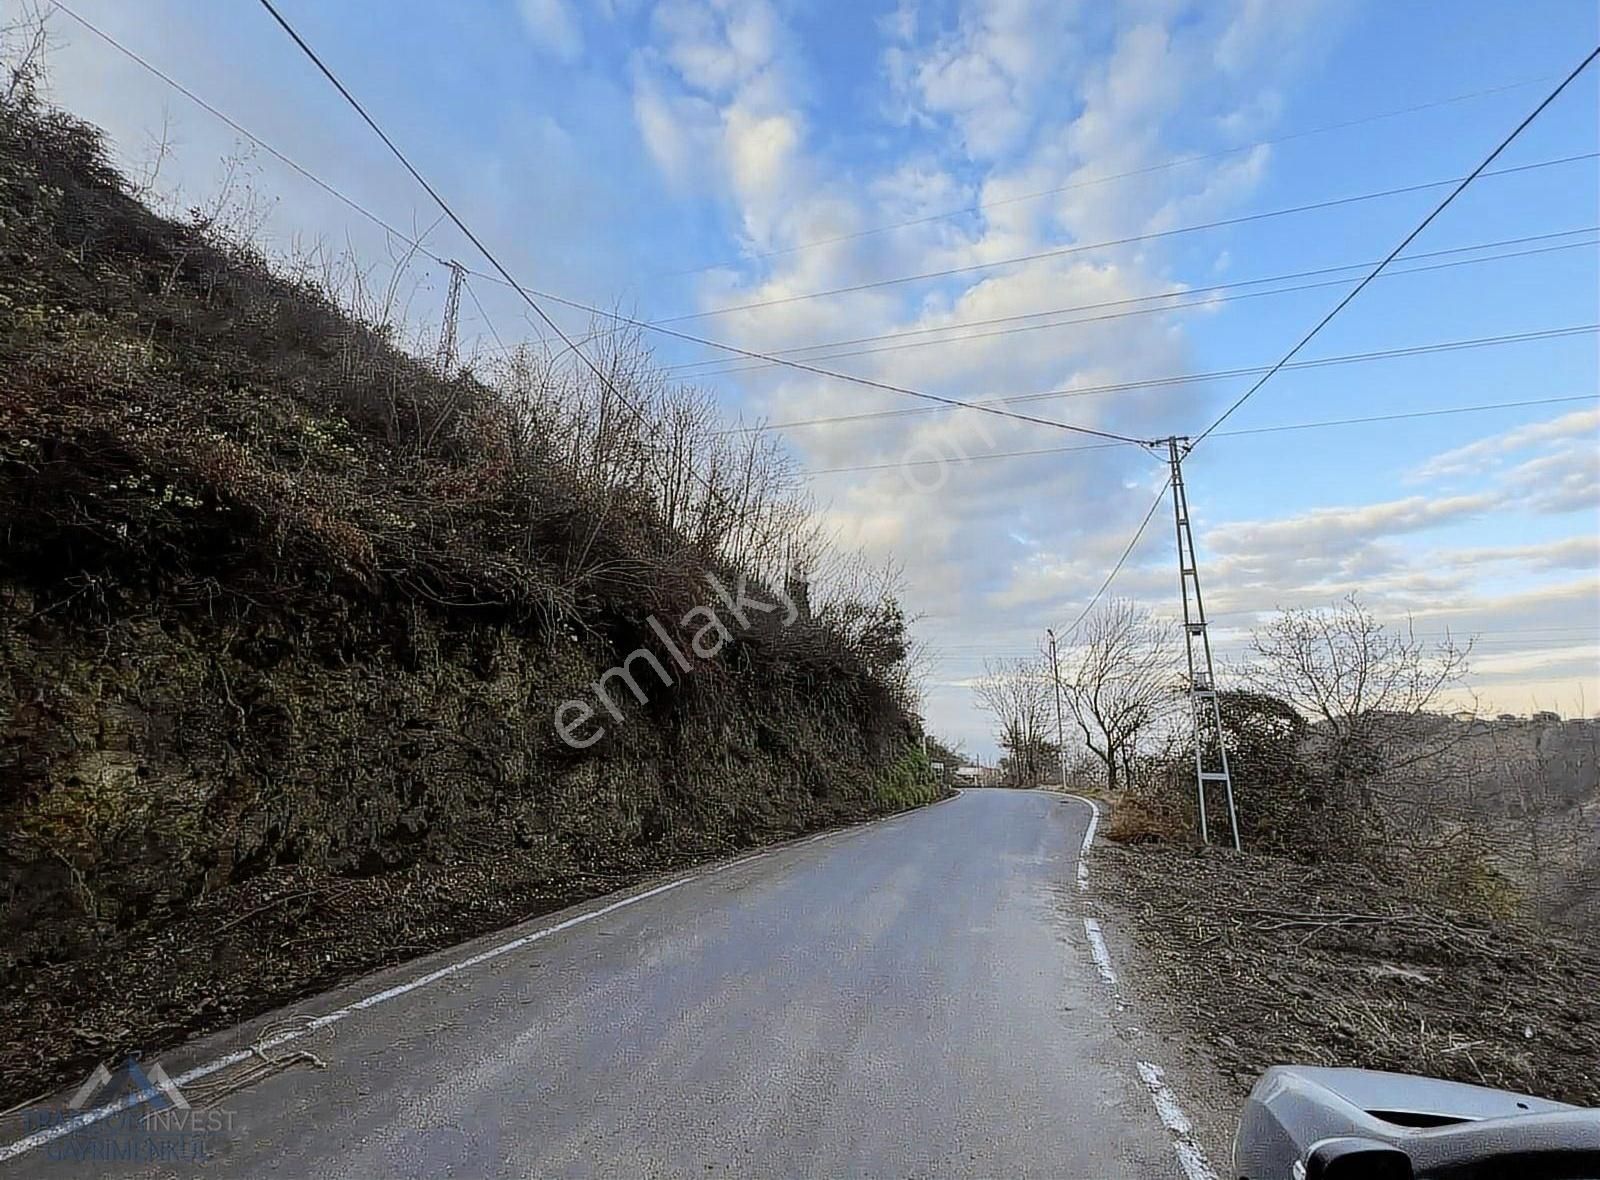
x=907 y=998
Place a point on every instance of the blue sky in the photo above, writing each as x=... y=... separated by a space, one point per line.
x=677 y=156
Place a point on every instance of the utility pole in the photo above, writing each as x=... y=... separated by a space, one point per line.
x=446 y=359
x=1204 y=712
x=1061 y=740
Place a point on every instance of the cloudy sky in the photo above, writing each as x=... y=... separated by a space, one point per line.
x=979 y=199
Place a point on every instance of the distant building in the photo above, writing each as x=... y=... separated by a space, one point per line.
x=1464 y=715
x=1508 y=717
x=1546 y=717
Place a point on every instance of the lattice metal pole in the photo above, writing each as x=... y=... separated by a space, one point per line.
x=446 y=359
x=1204 y=711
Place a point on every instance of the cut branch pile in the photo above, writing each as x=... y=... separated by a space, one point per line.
x=1266 y=961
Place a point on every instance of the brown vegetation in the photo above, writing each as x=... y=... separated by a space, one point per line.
x=1268 y=960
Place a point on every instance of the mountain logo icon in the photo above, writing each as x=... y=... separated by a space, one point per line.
x=142 y=1084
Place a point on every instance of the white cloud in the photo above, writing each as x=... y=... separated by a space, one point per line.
x=761 y=150
x=679 y=131
x=555 y=27
x=1008 y=98
x=1580 y=426
x=900 y=24
x=983 y=77
x=1581 y=552
x=716 y=45
x=714 y=105
x=1328 y=532
x=1271 y=31
x=1566 y=480
x=1005 y=104
x=1551 y=466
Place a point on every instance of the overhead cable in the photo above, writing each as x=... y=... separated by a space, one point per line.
x=1404 y=242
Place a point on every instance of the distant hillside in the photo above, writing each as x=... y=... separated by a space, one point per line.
x=1525 y=792
x=1532 y=790
x=285 y=623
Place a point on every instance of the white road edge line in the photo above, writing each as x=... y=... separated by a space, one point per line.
x=89 y=1117
x=1097 y=948
x=1190 y=1156
x=1088 y=841
x=99 y=1114
x=733 y=864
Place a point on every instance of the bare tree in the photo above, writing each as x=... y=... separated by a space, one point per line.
x=1118 y=680
x=1380 y=763
x=1367 y=688
x=24 y=45
x=1019 y=695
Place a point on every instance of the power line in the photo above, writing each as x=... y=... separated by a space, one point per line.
x=250 y=135
x=1170 y=293
x=1495 y=632
x=1079 y=248
x=805 y=367
x=504 y=276
x=1439 y=413
x=1261 y=610
x=944 y=403
x=1160 y=166
x=956 y=460
x=483 y=315
x=1495 y=642
x=449 y=212
x=350 y=202
x=507 y=278
x=1202 y=303
x=1121 y=561
x=1188 y=378
x=734 y=367
x=1404 y=242
x=1498 y=634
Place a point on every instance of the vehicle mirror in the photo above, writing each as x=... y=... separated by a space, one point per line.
x=1357 y=1159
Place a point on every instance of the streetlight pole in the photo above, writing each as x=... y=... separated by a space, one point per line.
x=1061 y=737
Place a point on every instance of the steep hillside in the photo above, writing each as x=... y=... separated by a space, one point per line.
x=285 y=623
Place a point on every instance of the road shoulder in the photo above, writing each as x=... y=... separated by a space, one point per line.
x=1182 y=1082
x=1232 y=963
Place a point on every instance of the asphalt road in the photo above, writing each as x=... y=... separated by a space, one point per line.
x=908 y=998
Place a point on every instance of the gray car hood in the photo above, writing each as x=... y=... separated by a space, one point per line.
x=1378 y=1092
